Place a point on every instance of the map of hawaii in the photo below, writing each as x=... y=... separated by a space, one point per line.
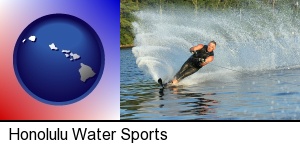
x=85 y=71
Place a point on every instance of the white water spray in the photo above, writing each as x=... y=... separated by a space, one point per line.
x=247 y=40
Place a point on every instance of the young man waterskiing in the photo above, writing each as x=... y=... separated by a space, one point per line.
x=201 y=56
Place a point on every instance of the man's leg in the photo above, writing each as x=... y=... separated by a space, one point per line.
x=186 y=70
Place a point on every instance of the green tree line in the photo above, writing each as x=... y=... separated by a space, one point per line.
x=128 y=7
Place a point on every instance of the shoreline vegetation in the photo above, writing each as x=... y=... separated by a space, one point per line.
x=129 y=7
x=126 y=46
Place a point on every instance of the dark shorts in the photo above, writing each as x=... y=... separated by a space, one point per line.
x=191 y=66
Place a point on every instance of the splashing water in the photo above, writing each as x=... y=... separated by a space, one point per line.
x=247 y=40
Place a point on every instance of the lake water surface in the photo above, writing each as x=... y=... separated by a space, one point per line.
x=230 y=95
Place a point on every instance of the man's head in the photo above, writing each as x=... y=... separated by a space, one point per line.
x=211 y=46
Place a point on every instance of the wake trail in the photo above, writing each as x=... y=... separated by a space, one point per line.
x=250 y=41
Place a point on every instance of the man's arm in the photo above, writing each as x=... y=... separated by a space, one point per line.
x=207 y=60
x=195 y=48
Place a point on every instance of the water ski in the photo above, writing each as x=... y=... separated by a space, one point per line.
x=164 y=85
x=161 y=90
x=160 y=83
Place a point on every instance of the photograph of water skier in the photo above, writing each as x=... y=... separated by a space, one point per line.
x=254 y=73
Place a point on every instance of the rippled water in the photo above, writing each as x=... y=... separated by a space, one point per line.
x=227 y=95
